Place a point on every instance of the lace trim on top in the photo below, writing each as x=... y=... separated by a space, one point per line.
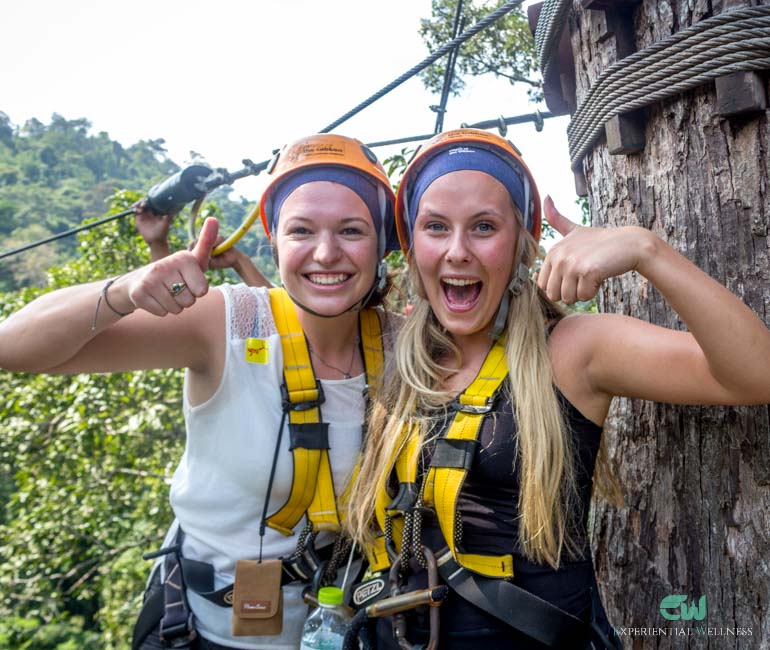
x=250 y=313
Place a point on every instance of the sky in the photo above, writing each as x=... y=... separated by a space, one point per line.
x=239 y=78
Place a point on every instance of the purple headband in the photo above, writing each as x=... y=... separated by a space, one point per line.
x=365 y=188
x=465 y=157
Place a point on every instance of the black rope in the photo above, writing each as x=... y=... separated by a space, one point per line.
x=67 y=233
x=222 y=177
x=536 y=117
x=449 y=73
x=445 y=49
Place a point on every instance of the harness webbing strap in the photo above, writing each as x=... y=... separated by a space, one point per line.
x=377 y=555
x=176 y=624
x=406 y=447
x=303 y=398
x=443 y=483
x=371 y=344
x=449 y=467
x=312 y=490
x=515 y=606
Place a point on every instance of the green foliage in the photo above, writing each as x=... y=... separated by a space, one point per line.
x=505 y=49
x=54 y=177
x=585 y=210
x=32 y=634
x=85 y=462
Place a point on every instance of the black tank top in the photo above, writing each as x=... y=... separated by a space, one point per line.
x=488 y=505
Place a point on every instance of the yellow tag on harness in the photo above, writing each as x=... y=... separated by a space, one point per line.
x=257 y=351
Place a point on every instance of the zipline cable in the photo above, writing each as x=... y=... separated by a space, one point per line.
x=449 y=72
x=444 y=49
x=537 y=117
x=67 y=233
x=222 y=177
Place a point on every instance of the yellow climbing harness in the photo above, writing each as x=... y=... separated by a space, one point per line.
x=450 y=463
x=312 y=490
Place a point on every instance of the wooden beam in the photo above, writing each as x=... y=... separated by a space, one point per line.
x=581 y=185
x=615 y=19
x=618 y=23
x=559 y=86
x=625 y=134
x=605 y=5
x=533 y=15
x=740 y=93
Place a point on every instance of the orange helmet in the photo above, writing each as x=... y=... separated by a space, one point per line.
x=529 y=203
x=330 y=151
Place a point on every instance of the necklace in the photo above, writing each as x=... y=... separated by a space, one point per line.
x=345 y=373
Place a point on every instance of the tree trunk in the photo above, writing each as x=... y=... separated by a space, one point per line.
x=696 y=480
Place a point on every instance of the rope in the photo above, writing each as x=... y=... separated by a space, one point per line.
x=537 y=117
x=66 y=233
x=222 y=177
x=444 y=49
x=735 y=41
x=449 y=73
x=550 y=25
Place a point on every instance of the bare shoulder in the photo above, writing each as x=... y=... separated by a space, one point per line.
x=571 y=347
x=609 y=355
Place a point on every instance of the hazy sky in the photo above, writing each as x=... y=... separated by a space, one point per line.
x=238 y=78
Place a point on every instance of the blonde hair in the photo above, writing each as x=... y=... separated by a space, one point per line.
x=548 y=493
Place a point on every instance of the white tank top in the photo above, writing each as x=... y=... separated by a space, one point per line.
x=218 y=489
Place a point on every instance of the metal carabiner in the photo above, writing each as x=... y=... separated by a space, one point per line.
x=399 y=620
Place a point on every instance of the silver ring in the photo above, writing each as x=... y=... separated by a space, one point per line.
x=177 y=288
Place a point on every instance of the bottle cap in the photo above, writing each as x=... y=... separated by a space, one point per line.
x=330 y=596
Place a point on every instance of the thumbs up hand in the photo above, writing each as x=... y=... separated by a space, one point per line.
x=174 y=283
x=576 y=266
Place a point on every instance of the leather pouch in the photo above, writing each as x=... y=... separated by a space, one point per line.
x=257 y=598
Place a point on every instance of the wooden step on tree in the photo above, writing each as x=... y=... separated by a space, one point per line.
x=696 y=480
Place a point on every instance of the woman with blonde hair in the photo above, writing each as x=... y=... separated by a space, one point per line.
x=480 y=459
x=274 y=396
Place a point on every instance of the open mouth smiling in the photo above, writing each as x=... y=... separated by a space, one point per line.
x=328 y=279
x=461 y=294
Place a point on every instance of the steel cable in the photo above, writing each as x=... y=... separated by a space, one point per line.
x=663 y=89
x=729 y=42
x=616 y=79
x=548 y=31
x=537 y=118
x=444 y=49
x=254 y=168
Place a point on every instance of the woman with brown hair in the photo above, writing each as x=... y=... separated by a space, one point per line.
x=274 y=397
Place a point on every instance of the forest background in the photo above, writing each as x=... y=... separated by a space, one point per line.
x=85 y=461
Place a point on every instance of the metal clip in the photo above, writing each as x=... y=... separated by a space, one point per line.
x=470 y=408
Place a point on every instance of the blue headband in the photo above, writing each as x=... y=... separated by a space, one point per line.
x=465 y=157
x=365 y=188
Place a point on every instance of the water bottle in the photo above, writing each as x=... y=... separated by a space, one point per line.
x=325 y=627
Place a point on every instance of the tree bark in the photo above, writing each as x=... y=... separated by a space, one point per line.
x=696 y=480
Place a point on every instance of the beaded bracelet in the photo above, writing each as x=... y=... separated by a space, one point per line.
x=103 y=296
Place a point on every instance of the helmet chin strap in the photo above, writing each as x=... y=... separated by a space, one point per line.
x=513 y=290
x=358 y=305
